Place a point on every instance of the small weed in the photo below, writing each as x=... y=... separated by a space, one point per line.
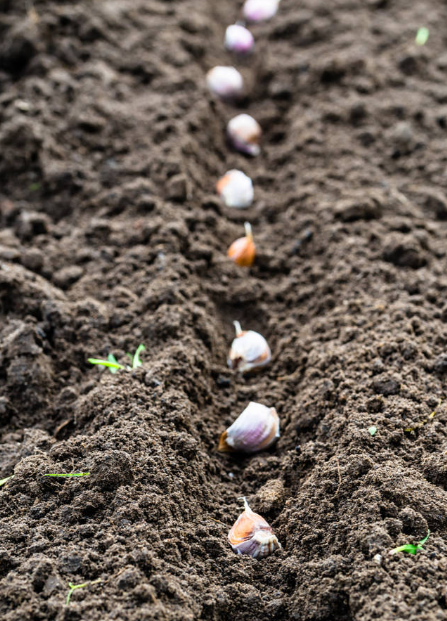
x=411 y=548
x=424 y=422
x=3 y=481
x=73 y=474
x=136 y=362
x=422 y=36
x=112 y=364
x=372 y=430
x=73 y=587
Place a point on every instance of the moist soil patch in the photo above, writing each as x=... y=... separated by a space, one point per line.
x=112 y=236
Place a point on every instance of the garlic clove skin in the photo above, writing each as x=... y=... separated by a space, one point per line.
x=252 y=535
x=248 y=351
x=243 y=250
x=244 y=133
x=260 y=10
x=239 y=39
x=235 y=189
x=225 y=82
x=254 y=430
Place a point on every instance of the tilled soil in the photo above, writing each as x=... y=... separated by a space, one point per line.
x=112 y=236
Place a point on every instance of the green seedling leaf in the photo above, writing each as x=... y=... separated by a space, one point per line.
x=35 y=186
x=372 y=430
x=73 y=587
x=136 y=362
x=73 y=474
x=411 y=548
x=422 y=36
x=106 y=363
x=3 y=481
x=114 y=366
x=111 y=358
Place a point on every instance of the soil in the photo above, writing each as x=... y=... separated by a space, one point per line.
x=112 y=236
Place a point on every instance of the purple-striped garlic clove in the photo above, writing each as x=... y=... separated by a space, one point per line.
x=260 y=10
x=225 y=82
x=235 y=189
x=254 y=430
x=252 y=535
x=244 y=133
x=239 y=39
x=248 y=351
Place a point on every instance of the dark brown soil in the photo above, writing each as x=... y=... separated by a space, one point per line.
x=112 y=236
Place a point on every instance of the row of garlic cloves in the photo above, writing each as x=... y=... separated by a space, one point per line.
x=235 y=188
x=257 y=427
x=254 y=430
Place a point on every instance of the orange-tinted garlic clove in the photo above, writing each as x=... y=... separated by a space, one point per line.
x=248 y=351
x=252 y=535
x=243 y=250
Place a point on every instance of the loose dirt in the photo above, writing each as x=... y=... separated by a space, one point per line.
x=112 y=236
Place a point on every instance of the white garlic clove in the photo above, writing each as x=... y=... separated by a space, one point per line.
x=260 y=10
x=244 y=133
x=225 y=82
x=252 y=535
x=248 y=351
x=254 y=430
x=238 y=39
x=235 y=189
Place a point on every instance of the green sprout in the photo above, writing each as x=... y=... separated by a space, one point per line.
x=3 y=481
x=411 y=548
x=112 y=364
x=372 y=430
x=422 y=36
x=136 y=362
x=73 y=474
x=73 y=587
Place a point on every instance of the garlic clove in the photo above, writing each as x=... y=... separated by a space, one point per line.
x=252 y=535
x=225 y=82
x=244 y=133
x=235 y=189
x=238 y=39
x=248 y=351
x=243 y=250
x=260 y=10
x=254 y=430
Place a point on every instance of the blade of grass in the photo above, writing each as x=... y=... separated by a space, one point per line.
x=73 y=474
x=422 y=36
x=3 y=481
x=421 y=543
x=73 y=587
x=111 y=358
x=136 y=362
x=106 y=363
x=409 y=548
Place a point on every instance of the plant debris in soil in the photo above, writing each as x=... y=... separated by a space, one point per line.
x=112 y=235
